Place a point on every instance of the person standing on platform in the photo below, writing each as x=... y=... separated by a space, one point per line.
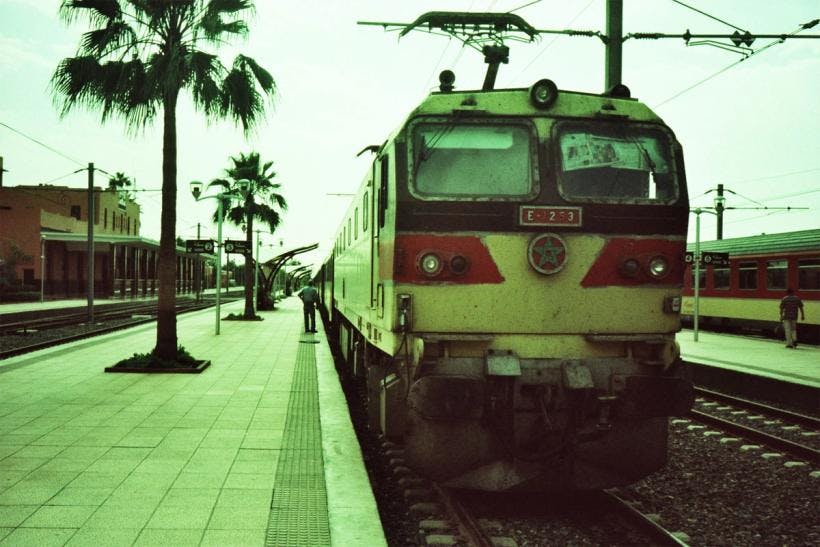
x=310 y=300
x=789 y=306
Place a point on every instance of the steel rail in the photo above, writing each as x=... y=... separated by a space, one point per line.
x=755 y=435
x=468 y=527
x=91 y=333
x=658 y=534
x=762 y=408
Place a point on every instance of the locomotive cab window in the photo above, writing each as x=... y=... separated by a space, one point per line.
x=467 y=160
x=603 y=163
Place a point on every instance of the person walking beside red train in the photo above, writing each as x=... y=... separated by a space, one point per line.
x=788 y=314
x=310 y=299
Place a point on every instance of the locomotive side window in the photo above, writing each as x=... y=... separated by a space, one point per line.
x=472 y=160
x=365 y=209
x=623 y=164
x=720 y=278
x=776 y=277
x=747 y=275
x=808 y=274
x=384 y=164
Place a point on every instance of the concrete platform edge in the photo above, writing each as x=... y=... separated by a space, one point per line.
x=352 y=511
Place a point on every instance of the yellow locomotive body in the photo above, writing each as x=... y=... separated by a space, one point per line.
x=508 y=279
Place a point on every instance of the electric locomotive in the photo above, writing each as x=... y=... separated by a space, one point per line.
x=508 y=280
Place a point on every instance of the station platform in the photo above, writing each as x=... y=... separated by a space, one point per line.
x=759 y=367
x=256 y=450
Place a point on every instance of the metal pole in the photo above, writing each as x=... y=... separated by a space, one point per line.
x=198 y=271
x=42 y=269
x=90 y=243
x=720 y=205
x=218 y=258
x=697 y=273
x=614 y=43
x=256 y=272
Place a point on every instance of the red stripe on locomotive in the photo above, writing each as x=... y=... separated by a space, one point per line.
x=455 y=253
x=612 y=267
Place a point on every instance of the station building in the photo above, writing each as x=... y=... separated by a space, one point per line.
x=44 y=232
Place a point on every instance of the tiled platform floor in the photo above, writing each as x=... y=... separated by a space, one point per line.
x=89 y=458
x=758 y=356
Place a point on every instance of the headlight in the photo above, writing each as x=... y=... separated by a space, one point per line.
x=458 y=264
x=630 y=267
x=543 y=93
x=658 y=267
x=430 y=264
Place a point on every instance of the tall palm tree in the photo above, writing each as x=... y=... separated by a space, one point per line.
x=135 y=63
x=261 y=199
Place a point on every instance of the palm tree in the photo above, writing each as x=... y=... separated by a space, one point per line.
x=260 y=202
x=119 y=181
x=135 y=63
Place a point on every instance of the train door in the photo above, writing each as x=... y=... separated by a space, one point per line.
x=379 y=206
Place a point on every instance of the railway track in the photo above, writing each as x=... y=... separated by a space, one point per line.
x=599 y=506
x=61 y=327
x=757 y=413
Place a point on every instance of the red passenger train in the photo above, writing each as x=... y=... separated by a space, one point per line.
x=745 y=295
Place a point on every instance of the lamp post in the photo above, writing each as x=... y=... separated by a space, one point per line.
x=196 y=190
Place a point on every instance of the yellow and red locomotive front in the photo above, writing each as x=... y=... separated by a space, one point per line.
x=529 y=278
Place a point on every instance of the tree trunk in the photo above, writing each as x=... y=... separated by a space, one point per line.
x=250 y=271
x=167 y=270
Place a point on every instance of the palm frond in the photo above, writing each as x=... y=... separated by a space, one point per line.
x=98 y=12
x=262 y=76
x=204 y=70
x=100 y=42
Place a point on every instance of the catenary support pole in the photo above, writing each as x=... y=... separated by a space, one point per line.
x=218 y=259
x=614 y=43
x=696 y=261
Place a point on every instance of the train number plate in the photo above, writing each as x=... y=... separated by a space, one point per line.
x=534 y=215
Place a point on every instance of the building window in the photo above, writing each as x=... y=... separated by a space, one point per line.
x=720 y=278
x=128 y=226
x=349 y=232
x=747 y=275
x=808 y=274
x=776 y=274
x=28 y=276
x=76 y=211
x=105 y=218
x=356 y=224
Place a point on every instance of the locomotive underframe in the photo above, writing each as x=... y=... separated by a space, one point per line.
x=503 y=423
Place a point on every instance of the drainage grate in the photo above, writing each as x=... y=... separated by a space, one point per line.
x=298 y=513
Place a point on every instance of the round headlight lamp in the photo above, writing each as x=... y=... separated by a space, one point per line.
x=458 y=264
x=658 y=267
x=630 y=267
x=543 y=93
x=430 y=264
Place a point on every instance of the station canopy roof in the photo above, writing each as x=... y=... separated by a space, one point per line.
x=764 y=244
x=77 y=242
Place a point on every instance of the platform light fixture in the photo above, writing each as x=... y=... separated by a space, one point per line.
x=196 y=191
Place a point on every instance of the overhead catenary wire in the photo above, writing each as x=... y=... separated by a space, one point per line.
x=708 y=15
x=721 y=71
x=551 y=42
x=44 y=145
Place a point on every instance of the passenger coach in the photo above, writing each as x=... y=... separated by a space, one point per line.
x=746 y=294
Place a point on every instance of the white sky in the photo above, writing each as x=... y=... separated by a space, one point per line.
x=754 y=128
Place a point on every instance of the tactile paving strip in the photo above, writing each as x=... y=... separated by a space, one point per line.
x=298 y=514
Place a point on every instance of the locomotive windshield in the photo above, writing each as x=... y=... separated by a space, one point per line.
x=623 y=164
x=470 y=160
